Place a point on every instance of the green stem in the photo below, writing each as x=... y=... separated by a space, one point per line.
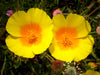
x=3 y=66
x=93 y=54
x=92 y=32
x=93 y=12
x=89 y=60
x=50 y=58
x=65 y=13
x=85 y=11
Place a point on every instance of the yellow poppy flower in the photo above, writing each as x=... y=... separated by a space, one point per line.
x=92 y=64
x=71 y=40
x=90 y=72
x=30 y=32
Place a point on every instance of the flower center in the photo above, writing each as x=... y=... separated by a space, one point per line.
x=66 y=38
x=66 y=42
x=32 y=40
x=31 y=34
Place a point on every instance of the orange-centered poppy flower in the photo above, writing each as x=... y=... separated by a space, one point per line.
x=71 y=40
x=92 y=64
x=30 y=32
x=90 y=72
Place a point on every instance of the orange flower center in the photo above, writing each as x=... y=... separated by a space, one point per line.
x=66 y=38
x=31 y=34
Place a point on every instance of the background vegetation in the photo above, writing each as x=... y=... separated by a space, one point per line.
x=11 y=64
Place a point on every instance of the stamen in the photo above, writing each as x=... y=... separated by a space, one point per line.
x=67 y=42
x=33 y=40
x=66 y=38
x=31 y=34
